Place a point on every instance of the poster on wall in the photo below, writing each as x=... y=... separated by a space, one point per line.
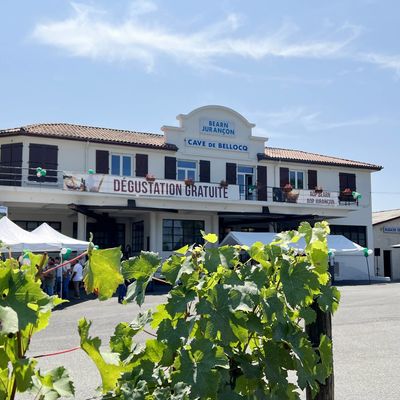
x=140 y=187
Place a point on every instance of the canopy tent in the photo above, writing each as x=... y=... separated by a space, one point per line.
x=339 y=244
x=349 y=258
x=46 y=233
x=17 y=239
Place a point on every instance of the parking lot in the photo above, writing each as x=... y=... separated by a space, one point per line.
x=366 y=332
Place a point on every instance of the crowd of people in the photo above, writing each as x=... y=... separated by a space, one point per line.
x=60 y=280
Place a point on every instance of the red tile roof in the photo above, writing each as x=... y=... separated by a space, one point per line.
x=93 y=134
x=299 y=156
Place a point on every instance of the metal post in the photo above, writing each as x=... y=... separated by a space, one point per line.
x=321 y=326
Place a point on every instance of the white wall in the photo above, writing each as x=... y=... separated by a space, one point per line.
x=384 y=241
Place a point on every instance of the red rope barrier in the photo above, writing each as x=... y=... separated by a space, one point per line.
x=58 y=352
x=65 y=263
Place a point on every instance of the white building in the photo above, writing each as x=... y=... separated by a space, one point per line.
x=238 y=182
x=386 y=226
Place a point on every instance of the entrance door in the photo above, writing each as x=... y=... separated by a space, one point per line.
x=387 y=263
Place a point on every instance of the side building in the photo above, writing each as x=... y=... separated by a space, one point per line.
x=386 y=226
x=157 y=191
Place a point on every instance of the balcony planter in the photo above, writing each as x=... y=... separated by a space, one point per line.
x=189 y=182
x=291 y=197
x=223 y=184
x=347 y=192
x=287 y=188
x=318 y=189
x=150 y=178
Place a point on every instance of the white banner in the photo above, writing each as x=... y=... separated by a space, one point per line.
x=146 y=188
x=312 y=197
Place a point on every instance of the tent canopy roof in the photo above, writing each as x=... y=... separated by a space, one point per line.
x=338 y=243
x=17 y=239
x=47 y=233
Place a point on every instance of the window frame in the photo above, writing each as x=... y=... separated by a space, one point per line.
x=296 y=185
x=121 y=164
x=244 y=190
x=186 y=169
x=177 y=240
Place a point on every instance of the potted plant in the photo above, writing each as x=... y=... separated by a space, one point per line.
x=287 y=188
x=347 y=192
x=223 y=183
x=189 y=182
x=318 y=189
x=150 y=178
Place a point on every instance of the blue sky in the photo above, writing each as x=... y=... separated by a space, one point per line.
x=317 y=76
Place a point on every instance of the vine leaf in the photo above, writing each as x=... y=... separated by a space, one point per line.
x=102 y=272
x=107 y=363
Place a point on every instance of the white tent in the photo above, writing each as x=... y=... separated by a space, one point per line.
x=17 y=239
x=349 y=259
x=46 y=233
x=338 y=243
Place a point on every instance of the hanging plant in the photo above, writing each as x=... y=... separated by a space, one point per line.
x=223 y=183
x=150 y=178
x=318 y=189
x=287 y=188
x=189 y=182
x=347 y=192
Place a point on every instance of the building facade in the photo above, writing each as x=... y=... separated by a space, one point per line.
x=157 y=191
x=386 y=226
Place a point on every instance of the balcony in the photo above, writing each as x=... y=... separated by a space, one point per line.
x=76 y=182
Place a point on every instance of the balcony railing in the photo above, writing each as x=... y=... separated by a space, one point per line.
x=56 y=179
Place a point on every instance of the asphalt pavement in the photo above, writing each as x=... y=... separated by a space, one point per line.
x=366 y=334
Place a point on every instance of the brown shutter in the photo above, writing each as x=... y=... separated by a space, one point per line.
x=312 y=179
x=170 y=167
x=284 y=176
x=44 y=156
x=262 y=183
x=231 y=173
x=142 y=164
x=102 y=162
x=347 y=181
x=351 y=180
x=11 y=163
x=204 y=171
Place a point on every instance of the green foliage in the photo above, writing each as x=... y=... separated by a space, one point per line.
x=232 y=326
x=24 y=310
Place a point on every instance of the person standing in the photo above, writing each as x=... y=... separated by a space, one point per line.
x=58 y=276
x=77 y=277
x=66 y=271
x=49 y=278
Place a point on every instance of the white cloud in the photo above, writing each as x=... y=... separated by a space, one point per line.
x=89 y=34
x=298 y=118
x=383 y=61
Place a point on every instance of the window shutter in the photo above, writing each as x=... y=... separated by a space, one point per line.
x=347 y=181
x=142 y=164
x=11 y=163
x=312 y=179
x=284 y=176
x=262 y=183
x=204 y=171
x=231 y=173
x=102 y=162
x=44 y=156
x=351 y=180
x=170 y=167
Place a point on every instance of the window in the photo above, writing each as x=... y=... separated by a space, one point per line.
x=46 y=157
x=107 y=235
x=179 y=232
x=121 y=165
x=357 y=234
x=296 y=179
x=245 y=180
x=137 y=237
x=186 y=170
x=31 y=225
